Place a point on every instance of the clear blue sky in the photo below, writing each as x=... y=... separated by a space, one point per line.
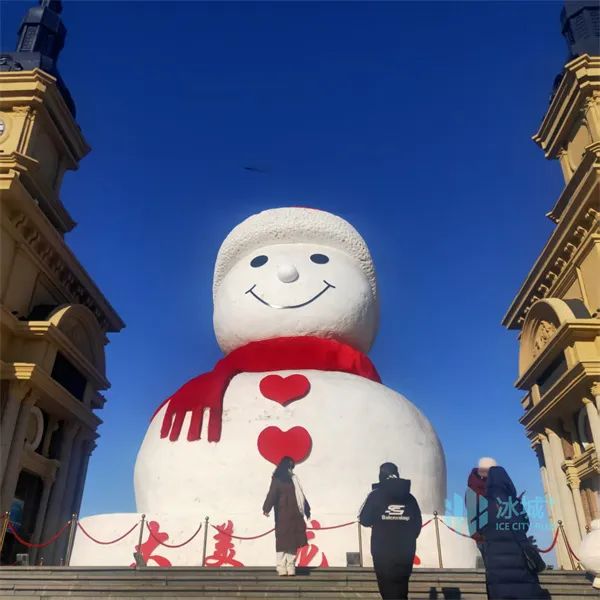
x=411 y=120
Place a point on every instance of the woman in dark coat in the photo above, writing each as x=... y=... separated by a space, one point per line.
x=506 y=570
x=287 y=498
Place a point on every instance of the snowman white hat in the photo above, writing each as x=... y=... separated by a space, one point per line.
x=292 y=225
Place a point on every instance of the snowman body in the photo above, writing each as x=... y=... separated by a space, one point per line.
x=350 y=425
x=285 y=274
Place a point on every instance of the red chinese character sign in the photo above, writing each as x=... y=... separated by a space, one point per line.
x=307 y=554
x=146 y=550
x=224 y=551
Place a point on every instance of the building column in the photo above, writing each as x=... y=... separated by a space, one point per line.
x=52 y=521
x=537 y=447
x=70 y=490
x=556 y=509
x=17 y=392
x=596 y=394
x=575 y=486
x=13 y=466
x=592 y=413
x=570 y=521
x=50 y=429
x=41 y=517
x=87 y=448
x=569 y=427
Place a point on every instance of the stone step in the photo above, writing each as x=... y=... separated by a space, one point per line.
x=52 y=583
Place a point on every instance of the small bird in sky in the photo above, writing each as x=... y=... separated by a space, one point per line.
x=256 y=169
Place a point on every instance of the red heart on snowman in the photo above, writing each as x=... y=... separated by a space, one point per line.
x=284 y=389
x=274 y=444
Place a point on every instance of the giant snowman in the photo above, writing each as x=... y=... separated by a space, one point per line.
x=295 y=312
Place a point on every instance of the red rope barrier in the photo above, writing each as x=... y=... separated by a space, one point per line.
x=173 y=545
x=540 y=550
x=426 y=523
x=256 y=537
x=454 y=530
x=554 y=540
x=41 y=544
x=237 y=537
x=332 y=526
x=87 y=534
x=571 y=550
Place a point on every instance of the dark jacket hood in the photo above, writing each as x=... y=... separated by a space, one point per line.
x=395 y=490
x=500 y=485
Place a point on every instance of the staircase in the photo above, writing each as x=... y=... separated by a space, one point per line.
x=76 y=583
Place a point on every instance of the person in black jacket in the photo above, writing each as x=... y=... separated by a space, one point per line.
x=395 y=518
x=508 y=575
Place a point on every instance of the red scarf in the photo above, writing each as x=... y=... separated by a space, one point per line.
x=476 y=483
x=279 y=354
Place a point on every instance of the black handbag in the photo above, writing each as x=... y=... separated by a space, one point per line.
x=535 y=563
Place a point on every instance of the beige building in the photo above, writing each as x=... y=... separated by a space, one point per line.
x=53 y=318
x=557 y=309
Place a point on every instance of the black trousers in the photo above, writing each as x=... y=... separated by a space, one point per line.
x=393 y=574
x=392 y=587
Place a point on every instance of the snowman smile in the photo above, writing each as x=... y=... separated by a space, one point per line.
x=261 y=300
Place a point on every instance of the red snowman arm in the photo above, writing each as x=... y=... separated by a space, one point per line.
x=195 y=396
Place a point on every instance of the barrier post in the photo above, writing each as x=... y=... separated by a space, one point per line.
x=566 y=542
x=437 y=539
x=360 y=545
x=137 y=555
x=205 y=541
x=72 y=531
x=5 y=519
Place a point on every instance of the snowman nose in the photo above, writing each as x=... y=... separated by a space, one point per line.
x=287 y=273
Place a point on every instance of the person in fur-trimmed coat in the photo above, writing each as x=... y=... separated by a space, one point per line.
x=508 y=576
x=291 y=507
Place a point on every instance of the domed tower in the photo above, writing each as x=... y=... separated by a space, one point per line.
x=53 y=317
x=557 y=309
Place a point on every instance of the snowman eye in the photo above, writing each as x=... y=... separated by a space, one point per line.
x=259 y=261
x=320 y=259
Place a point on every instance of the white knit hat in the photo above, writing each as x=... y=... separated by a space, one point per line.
x=288 y=226
x=487 y=462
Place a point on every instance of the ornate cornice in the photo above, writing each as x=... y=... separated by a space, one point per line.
x=568 y=333
x=47 y=198
x=554 y=272
x=38 y=89
x=570 y=384
x=572 y=476
x=65 y=404
x=62 y=266
x=579 y=86
x=51 y=333
x=579 y=179
x=586 y=465
x=72 y=285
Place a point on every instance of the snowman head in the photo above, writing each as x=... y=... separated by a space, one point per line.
x=292 y=272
